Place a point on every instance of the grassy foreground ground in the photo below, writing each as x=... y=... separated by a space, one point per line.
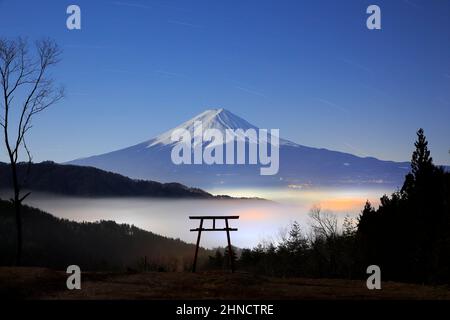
x=41 y=283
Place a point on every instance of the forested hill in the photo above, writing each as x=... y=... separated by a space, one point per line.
x=91 y=182
x=105 y=245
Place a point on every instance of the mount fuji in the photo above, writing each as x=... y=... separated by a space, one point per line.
x=299 y=166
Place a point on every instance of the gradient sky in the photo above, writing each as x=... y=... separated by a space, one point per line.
x=310 y=68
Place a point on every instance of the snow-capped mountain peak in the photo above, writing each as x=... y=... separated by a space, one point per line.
x=299 y=165
x=220 y=119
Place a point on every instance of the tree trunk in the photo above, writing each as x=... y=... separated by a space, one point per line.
x=17 y=209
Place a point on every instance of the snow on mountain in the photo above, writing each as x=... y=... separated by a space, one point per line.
x=299 y=165
x=220 y=119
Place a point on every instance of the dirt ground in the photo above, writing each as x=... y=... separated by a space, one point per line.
x=40 y=283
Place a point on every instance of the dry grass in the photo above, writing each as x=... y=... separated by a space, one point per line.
x=39 y=283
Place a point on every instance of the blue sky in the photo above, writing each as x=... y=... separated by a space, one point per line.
x=310 y=68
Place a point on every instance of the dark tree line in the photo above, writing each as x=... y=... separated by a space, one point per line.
x=408 y=236
x=221 y=259
x=81 y=181
x=104 y=246
x=323 y=253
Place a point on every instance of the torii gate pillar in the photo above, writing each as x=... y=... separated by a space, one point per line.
x=227 y=229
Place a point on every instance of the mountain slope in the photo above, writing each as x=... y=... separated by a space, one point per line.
x=104 y=245
x=92 y=182
x=299 y=165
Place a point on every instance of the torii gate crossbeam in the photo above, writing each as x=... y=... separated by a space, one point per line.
x=227 y=229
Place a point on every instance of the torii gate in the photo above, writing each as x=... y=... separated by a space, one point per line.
x=227 y=229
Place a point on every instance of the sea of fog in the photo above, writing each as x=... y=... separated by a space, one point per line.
x=259 y=220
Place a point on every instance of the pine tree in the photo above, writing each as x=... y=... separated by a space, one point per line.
x=349 y=227
x=296 y=242
x=422 y=167
x=421 y=161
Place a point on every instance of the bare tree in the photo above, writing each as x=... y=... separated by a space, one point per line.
x=323 y=223
x=27 y=90
x=349 y=226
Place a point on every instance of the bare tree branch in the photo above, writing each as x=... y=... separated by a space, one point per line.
x=26 y=73
x=323 y=223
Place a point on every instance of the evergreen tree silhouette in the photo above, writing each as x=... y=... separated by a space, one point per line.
x=421 y=161
x=409 y=235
